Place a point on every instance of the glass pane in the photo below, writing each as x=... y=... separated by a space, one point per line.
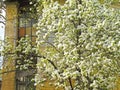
x=28 y=31
x=21 y=32
x=25 y=83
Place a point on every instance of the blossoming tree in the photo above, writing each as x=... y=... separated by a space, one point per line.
x=81 y=41
x=78 y=45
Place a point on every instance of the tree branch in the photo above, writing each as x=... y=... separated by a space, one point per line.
x=51 y=62
x=53 y=46
x=80 y=1
x=70 y=83
x=2 y=22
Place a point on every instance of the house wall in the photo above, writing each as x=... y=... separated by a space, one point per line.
x=11 y=31
x=47 y=86
x=8 y=76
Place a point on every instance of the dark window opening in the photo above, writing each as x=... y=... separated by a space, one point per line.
x=25 y=83
x=24 y=76
x=26 y=26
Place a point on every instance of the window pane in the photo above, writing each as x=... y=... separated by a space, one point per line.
x=21 y=32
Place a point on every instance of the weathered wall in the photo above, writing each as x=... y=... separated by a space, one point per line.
x=47 y=86
x=8 y=78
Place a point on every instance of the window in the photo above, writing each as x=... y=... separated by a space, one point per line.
x=26 y=26
x=25 y=82
x=24 y=77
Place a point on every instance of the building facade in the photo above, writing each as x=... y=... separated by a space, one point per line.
x=19 y=24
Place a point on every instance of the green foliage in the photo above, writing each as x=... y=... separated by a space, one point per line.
x=7 y=47
x=85 y=48
x=24 y=54
x=112 y=3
